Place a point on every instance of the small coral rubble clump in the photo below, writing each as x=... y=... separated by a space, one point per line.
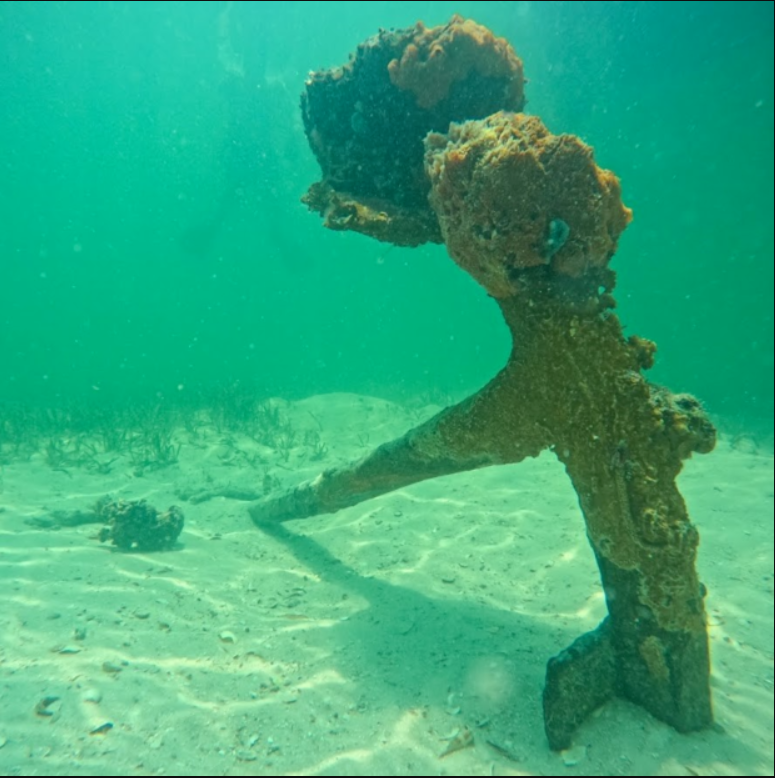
x=133 y=525
x=509 y=195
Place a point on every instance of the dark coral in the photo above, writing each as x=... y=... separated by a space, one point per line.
x=367 y=132
x=134 y=525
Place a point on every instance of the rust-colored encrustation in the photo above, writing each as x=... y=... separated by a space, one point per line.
x=536 y=222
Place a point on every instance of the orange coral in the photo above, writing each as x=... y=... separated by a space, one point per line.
x=440 y=56
x=510 y=195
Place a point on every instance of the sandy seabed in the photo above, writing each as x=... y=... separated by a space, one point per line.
x=360 y=643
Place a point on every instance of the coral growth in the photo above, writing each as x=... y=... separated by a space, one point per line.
x=366 y=121
x=535 y=221
x=510 y=195
x=133 y=525
x=441 y=56
x=684 y=419
x=376 y=218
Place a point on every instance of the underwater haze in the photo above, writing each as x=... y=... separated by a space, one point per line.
x=119 y=273
x=176 y=326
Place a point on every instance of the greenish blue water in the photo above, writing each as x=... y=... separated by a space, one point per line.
x=115 y=132
x=155 y=258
